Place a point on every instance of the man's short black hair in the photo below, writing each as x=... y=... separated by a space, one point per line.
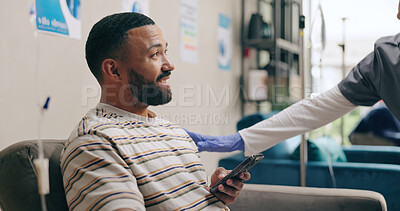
x=107 y=38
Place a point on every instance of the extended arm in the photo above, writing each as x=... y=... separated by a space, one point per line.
x=305 y=115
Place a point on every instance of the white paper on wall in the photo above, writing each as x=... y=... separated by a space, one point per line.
x=189 y=33
x=257 y=88
x=139 y=6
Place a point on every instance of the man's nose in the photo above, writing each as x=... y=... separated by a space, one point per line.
x=167 y=65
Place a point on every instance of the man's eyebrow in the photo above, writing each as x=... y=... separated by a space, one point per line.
x=157 y=46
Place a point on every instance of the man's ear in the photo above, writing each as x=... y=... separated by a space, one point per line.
x=110 y=70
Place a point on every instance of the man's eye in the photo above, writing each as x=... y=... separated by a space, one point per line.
x=155 y=54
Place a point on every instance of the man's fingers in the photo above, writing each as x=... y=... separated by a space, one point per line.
x=221 y=175
x=221 y=172
x=235 y=183
x=245 y=176
x=228 y=190
x=226 y=194
x=225 y=198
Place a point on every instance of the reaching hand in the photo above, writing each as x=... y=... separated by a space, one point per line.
x=217 y=143
x=230 y=191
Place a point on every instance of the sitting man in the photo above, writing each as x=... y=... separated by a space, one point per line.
x=121 y=156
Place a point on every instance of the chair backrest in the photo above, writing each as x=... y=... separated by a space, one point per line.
x=18 y=178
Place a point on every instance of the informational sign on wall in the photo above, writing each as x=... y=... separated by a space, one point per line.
x=224 y=42
x=59 y=17
x=189 y=31
x=140 y=6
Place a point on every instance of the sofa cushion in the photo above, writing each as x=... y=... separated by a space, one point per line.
x=283 y=150
x=322 y=149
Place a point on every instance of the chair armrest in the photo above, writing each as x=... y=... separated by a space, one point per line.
x=373 y=154
x=382 y=178
x=282 y=198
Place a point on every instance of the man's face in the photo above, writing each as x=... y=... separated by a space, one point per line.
x=398 y=13
x=147 y=66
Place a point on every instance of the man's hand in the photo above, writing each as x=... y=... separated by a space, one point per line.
x=230 y=191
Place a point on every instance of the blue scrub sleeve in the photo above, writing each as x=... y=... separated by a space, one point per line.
x=217 y=143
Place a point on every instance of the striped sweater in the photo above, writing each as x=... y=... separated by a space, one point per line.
x=116 y=159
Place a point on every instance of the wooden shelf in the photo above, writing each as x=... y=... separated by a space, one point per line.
x=269 y=44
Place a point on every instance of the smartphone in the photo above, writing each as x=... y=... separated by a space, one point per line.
x=244 y=166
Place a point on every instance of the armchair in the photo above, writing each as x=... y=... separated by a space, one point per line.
x=18 y=178
x=18 y=187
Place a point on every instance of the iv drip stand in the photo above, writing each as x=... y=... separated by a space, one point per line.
x=343 y=47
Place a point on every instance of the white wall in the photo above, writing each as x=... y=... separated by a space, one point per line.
x=31 y=70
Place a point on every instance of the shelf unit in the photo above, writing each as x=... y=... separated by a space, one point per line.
x=270 y=44
x=283 y=49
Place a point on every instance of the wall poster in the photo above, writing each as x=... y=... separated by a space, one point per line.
x=224 y=42
x=59 y=17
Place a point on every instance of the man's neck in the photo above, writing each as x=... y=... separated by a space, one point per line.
x=138 y=108
x=125 y=101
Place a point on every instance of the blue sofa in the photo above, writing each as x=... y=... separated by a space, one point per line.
x=375 y=168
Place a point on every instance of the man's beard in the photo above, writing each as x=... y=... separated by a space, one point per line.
x=148 y=92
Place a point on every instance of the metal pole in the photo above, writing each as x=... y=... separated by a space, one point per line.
x=303 y=145
x=241 y=79
x=343 y=46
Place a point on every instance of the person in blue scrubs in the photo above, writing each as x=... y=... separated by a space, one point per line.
x=376 y=77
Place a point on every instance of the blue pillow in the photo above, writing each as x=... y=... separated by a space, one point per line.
x=322 y=149
x=253 y=119
x=283 y=150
